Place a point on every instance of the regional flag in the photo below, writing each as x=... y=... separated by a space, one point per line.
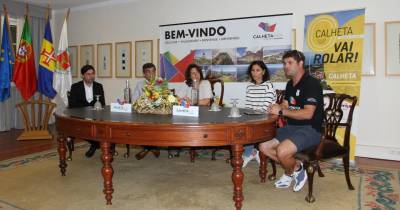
x=24 y=68
x=6 y=63
x=47 y=64
x=63 y=79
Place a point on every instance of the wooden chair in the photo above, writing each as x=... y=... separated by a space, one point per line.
x=36 y=114
x=213 y=82
x=329 y=147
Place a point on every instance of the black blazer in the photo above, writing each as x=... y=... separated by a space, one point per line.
x=77 y=96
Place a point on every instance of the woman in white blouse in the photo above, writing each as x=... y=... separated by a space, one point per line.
x=260 y=94
x=193 y=73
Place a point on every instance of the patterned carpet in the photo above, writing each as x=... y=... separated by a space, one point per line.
x=377 y=188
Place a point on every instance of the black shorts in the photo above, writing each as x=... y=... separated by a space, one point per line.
x=303 y=136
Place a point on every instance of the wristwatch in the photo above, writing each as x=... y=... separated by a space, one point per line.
x=280 y=112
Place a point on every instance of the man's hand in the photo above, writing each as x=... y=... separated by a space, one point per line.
x=274 y=109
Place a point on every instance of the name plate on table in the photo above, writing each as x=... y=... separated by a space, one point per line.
x=125 y=108
x=192 y=111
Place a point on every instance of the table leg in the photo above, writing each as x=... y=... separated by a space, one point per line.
x=62 y=152
x=237 y=175
x=262 y=172
x=107 y=171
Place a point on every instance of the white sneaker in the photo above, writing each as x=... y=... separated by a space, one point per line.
x=300 y=178
x=284 y=182
x=247 y=159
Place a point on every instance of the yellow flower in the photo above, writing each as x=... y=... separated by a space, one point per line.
x=171 y=99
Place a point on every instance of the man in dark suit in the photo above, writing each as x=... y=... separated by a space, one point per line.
x=83 y=94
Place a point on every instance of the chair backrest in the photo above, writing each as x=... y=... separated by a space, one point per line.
x=333 y=115
x=213 y=82
x=280 y=95
x=36 y=113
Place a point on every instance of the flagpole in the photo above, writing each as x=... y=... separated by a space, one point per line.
x=8 y=28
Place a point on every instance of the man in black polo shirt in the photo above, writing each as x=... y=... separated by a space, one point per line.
x=303 y=108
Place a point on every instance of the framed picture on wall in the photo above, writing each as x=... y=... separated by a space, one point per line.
x=86 y=53
x=123 y=59
x=368 y=67
x=104 y=60
x=158 y=57
x=73 y=58
x=294 y=39
x=392 y=48
x=143 y=54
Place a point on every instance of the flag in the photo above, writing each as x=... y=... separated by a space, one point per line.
x=47 y=64
x=63 y=78
x=24 y=68
x=6 y=63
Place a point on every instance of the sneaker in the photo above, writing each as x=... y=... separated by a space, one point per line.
x=284 y=182
x=247 y=159
x=300 y=178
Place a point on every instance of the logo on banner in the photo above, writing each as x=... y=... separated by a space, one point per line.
x=267 y=27
x=269 y=30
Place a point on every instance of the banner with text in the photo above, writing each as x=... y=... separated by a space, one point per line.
x=225 y=48
x=333 y=46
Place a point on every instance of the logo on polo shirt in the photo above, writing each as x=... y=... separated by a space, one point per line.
x=292 y=101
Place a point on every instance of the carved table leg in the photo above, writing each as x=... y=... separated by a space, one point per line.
x=262 y=172
x=237 y=175
x=107 y=171
x=62 y=152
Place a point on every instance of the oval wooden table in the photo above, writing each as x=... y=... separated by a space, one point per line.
x=210 y=129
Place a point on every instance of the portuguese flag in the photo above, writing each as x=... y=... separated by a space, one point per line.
x=24 y=67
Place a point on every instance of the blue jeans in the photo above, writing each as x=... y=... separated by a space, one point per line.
x=248 y=150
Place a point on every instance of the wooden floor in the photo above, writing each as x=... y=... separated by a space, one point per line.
x=11 y=148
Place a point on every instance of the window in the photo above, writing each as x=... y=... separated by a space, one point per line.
x=13 y=31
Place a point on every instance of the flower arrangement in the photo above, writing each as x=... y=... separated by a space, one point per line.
x=156 y=98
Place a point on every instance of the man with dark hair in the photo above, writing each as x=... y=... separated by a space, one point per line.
x=149 y=72
x=82 y=94
x=303 y=108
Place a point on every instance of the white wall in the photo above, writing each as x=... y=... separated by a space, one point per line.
x=377 y=119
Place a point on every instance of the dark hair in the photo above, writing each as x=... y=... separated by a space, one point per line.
x=86 y=68
x=262 y=65
x=187 y=74
x=148 y=65
x=295 y=54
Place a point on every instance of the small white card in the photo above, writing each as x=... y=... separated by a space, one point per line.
x=192 y=111
x=125 y=108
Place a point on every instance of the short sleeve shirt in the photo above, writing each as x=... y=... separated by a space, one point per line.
x=308 y=91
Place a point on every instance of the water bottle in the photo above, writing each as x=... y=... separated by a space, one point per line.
x=194 y=94
x=127 y=93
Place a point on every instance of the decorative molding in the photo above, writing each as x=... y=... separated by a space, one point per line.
x=95 y=5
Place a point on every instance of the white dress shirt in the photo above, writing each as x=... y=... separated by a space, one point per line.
x=88 y=92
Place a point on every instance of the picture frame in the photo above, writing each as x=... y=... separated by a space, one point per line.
x=104 y=60
x=392 y=48
x=73 y=58
x=123 y=59
x=86 y=55
x=369 y=54
x=294 y=46
x=143 y=54
x=158 y=58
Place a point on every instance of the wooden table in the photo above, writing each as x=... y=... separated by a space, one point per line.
x=210 y=129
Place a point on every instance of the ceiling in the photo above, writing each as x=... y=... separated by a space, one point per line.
x=62 y=4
